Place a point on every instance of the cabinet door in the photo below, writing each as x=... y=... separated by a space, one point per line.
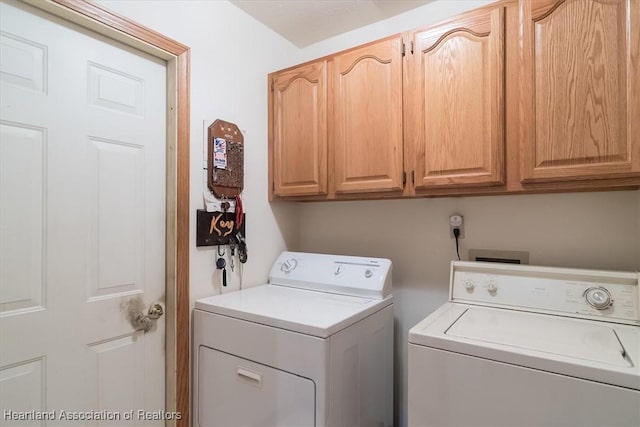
x=457 y=102
x=580 y=93
x=367 y=120
x=299 y=131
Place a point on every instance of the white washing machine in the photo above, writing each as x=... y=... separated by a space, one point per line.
x=528 y=346
x=314 y=347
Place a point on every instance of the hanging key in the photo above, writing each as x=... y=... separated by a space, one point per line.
x=242 y=248
x=232 y=246
x=221 y=265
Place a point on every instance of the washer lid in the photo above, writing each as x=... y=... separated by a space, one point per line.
x=309 y=312
x=596 y=342
x=588 y=349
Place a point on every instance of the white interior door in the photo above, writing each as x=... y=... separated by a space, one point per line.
x=82 y=223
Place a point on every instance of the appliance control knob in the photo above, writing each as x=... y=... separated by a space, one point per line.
x=289 y=265
x=469 y=285
x=492 y=288
x=368 y=273
x=598 y=298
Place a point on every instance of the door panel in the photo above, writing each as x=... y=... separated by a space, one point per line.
x=300 y=131
x=21 y=216
x=116 y=263
x=580 y=89
x=115 y=384
x=24 y=62
x=115 y=90
x=82 y=224
x=458 y=102
x=367 y=120
x=23 y=388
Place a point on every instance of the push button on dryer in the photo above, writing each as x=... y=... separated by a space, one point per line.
x=492 y=288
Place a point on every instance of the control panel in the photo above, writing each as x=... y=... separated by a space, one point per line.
x=593 y=294
x=346 y=275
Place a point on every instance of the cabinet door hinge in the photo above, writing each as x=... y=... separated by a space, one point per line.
x=404 y=177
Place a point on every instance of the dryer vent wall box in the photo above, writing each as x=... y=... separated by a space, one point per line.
x=493 y=255
x=314 y=347
x=510 y=334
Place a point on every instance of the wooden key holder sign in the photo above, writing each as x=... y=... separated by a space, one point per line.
x=225 y=179
x=216 y=228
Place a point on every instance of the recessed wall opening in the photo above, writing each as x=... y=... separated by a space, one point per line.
x=496 y=255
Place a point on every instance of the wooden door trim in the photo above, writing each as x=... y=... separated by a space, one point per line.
x=96 y=18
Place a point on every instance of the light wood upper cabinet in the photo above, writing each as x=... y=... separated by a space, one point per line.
x=519 y=96
x=455 y=117
x=298 y=131
x=580 y=93
x=367 y=118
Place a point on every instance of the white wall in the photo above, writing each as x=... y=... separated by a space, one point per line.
x=637 y=237
x=416 y=18
x=231 y=54
x=591 y=230
x=594 y=230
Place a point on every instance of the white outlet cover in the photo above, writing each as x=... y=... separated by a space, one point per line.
x=455 y=220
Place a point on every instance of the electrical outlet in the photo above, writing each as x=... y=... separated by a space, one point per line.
x=456 y=221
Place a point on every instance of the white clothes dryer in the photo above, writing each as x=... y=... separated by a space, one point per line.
x=528 y=346
x=314 y=347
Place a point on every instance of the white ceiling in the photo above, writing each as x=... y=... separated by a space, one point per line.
x=304 y=22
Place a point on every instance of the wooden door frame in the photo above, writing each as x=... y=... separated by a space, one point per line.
x=100 y=20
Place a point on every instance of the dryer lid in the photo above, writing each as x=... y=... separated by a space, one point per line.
x=309 y=312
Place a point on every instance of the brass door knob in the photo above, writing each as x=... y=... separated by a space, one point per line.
x=144 y=322
x=155 y=311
